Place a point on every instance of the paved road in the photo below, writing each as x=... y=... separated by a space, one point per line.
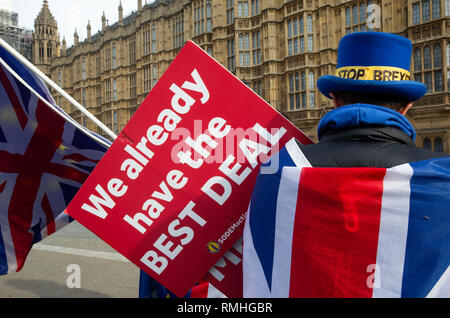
x=103 y=273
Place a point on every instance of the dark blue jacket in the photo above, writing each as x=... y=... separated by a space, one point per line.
x=362 y=135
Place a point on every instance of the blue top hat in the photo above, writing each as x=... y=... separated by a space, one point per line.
x=374 y=62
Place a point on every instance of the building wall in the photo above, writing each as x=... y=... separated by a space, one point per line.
x=278 y=48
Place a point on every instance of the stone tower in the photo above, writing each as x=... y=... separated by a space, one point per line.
x=46 y=44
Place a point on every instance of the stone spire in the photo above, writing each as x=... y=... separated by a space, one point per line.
x=45 y=16
x=75 y=38
x=139 y=5
x=64 y=46
x=103 y=22
x=120 y=13
x=88 y=29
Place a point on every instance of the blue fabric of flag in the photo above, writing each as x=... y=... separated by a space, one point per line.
x=428 y=241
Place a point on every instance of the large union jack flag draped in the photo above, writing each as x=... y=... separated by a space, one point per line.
x=349 y=232
x=44 y=159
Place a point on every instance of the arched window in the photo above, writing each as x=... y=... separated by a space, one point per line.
x=59 y=77
x=295 y=27
x=309 y=24
x=311 y=80
x=436 y=7
x=348 y=18
x=208 y=10
x=426 y=57
x=438 y=145
x=153 y=40
x=427 y=143
x=437 y=54
x=241 y=42
x=289 y=24
x=303 y=81
x=448 y=52
x=425 y=10
x=303 y=89
x=362 y=12
x=355 y=14
x=417 y=60
x=155 y=74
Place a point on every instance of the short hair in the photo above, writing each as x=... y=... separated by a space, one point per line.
x=393 y=102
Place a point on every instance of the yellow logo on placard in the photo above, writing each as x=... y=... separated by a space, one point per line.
x=213 y=247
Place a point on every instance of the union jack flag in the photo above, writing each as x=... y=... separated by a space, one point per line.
x=349 y=232
x=44 y=159
x=150 y=288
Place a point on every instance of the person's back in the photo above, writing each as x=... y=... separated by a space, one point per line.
x=372 y=94
x=364 y=144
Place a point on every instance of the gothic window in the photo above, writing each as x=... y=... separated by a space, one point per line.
x=230 y=11
x=147 y=79
x=427 y=143
x=114 y=90
x=83 y=69
x=436 y=6
x=154 y=75
x=255 y=7
x=114 y=121
x=208 y=17
x=416 y=13
x=256 y=46
x=178 y=32
x=437 y=55
x=438 y=81
x=310 y=43
x=426 y=57
x=309 y=23
x=417 y=60
x=153 y=39
x=243 y=9
x=356 y=17
x=83 y=96
x=108 y=90
x=294 y=34
x=294 y=91
x=244 y=49
x=114 y=56
x=430 y=71
x=146 y=40
x=303 y=89
x=438 y=144
x=312 y=94
x=231 y=55
x=426 y=10
x=132 y=51
x=132 y=81
x=59 y=78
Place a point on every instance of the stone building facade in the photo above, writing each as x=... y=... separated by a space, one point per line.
x=277 y=47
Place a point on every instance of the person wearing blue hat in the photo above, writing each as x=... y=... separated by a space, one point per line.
x=372 y=91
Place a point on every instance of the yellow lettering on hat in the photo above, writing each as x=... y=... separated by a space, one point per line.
x=373 y=73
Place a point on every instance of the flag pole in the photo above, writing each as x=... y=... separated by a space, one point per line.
x=52 y=84
x=59 y=112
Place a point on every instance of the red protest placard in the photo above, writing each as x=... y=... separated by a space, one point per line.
x=181 y=172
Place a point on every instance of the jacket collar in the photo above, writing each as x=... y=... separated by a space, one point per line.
x=364 y=115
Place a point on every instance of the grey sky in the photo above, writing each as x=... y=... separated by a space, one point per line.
x=73 y=14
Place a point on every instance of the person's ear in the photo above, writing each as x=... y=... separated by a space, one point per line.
x=337 y=102
x=405 y=109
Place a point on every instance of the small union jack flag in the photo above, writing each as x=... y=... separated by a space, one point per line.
x=44 y=159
